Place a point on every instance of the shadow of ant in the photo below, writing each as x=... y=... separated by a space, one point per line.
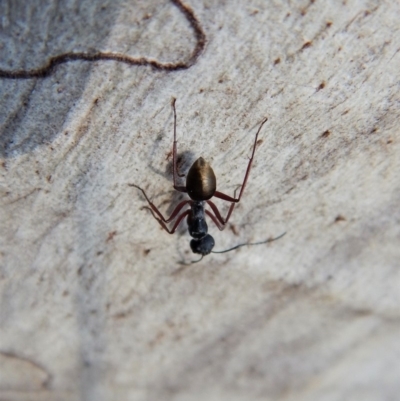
x=171 y=197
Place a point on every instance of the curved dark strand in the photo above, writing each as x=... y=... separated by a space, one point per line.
x=197 y=29
x=53 y=62
x=250 y=244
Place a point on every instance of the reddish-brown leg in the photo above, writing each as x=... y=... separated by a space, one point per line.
x=218 y=214
x=220 y=226
x=174 y=155
x=154 y=208
x=228 y=198
x=178 y=221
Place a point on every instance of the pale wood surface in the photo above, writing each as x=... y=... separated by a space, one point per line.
x=94 y=302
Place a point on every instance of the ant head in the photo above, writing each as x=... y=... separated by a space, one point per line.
x=202 y=246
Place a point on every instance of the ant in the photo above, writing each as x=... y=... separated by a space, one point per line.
x=201 y=186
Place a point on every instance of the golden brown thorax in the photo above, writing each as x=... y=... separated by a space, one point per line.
x=201 y=183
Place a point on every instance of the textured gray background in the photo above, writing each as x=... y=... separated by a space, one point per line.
x=94 y=302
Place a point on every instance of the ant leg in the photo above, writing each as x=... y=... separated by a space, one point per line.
x=221 y=226
x=178 y=221
x=228 y=198
x=218 y=214
x=155 y=209
x=174 y=155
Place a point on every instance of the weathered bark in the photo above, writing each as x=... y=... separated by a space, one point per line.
x=95 y=304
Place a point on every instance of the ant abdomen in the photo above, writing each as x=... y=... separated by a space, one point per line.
x=202 y=246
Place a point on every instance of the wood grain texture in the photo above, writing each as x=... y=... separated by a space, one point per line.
x=94 y=304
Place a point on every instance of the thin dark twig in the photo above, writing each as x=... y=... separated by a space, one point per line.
x=53 y=62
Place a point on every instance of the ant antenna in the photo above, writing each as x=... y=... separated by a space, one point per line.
x=250 y=244
x=193 y=261
x=235 y=247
